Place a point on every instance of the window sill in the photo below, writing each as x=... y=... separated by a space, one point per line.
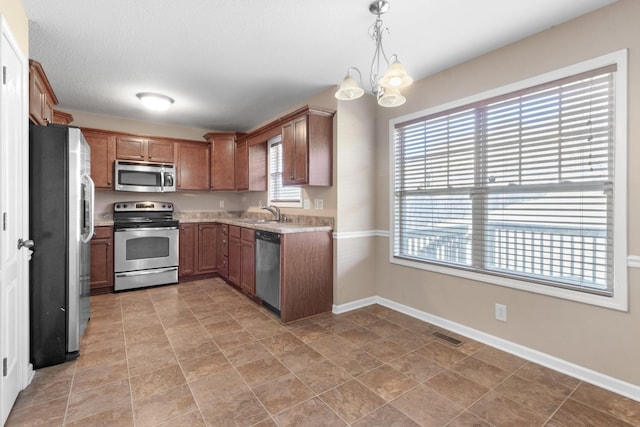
x=619 y=300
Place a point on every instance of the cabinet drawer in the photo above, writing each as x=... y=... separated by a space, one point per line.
x=248 y=235
x=234 y=231
x=102 y=233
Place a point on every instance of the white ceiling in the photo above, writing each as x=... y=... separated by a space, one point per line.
x=234 y=64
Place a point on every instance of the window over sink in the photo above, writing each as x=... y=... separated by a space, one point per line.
x=287 y=196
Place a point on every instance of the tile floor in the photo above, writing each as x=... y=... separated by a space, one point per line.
x=200 y=353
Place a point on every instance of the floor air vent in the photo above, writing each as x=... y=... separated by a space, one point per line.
x=447 y=338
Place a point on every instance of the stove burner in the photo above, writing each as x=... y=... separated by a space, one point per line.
x=143 y=215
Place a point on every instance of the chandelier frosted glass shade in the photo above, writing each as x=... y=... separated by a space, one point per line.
x=349 y=89
x=155 y=101
x=385 y=88
x=391 y=97
x=396 y=76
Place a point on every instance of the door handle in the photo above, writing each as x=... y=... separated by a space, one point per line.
x=29 y=244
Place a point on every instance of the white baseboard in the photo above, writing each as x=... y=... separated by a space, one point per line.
x=623 y=388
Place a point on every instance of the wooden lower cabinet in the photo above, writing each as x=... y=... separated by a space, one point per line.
x=248 y=261
x=207 y=242
x=235 y=255
x=101 y=281
x=306 y=276
x=197 y=249
x=187 y=250
x=242 y=259
x=222 y=250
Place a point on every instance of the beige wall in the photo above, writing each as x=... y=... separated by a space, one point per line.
x=600 y=339
x=16 y=17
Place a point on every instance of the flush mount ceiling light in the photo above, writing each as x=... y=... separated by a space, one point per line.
x=385 y=88
x=155 y=101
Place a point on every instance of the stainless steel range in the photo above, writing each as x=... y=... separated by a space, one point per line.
x=145 y=244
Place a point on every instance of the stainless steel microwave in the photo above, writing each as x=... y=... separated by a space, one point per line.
x=145 y=177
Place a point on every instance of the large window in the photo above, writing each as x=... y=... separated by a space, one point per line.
x=518 y=187
x=280 y=195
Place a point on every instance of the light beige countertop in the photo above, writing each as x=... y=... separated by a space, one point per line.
x=274 y=226
x=294 y=223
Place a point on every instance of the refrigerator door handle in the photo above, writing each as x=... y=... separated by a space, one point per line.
x=92 y=190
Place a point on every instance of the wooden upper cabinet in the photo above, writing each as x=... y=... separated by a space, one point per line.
x=242 y=165
x=251 y=165
x=307 y=147
x=160 y=151
x=223 y=167
x=61 y=118
x=131 y=148
x=193 y=166
x=294 y=152
x=102 y=154
x=42 y=99
x=144 y=149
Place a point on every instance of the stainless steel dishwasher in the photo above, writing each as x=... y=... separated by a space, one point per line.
x=268 y=269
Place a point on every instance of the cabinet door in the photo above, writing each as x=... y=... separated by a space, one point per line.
x=207 y=234
x=193 y=166
x=131 y=148
x=160 y=151
x=223 y=169
x=222 y=250
x=102 y=152
x=42 y=100
x=248 y=265
x=101 y=279
x=234 y=255
x=294 y=152
x=36 y=99
x=187 y=249
x=242 y=166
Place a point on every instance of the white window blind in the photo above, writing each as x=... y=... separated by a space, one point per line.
x=278 y=193
x=519 y=185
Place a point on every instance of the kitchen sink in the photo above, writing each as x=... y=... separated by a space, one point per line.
x=257 y=221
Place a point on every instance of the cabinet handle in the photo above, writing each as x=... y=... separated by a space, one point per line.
x=292 y=177
x=108 y=244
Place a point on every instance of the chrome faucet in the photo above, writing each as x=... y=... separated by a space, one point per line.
x=273 y=209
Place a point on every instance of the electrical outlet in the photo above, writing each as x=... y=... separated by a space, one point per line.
x=501 y=312
x=222 y=203
x=318 y=204
x=307 y=204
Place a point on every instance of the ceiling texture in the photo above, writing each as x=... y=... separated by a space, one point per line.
x=235 y=64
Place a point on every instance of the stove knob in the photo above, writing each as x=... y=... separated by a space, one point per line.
x=118 y=206
x=124 y=206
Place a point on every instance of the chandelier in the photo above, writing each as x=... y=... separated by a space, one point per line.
x=385 y=88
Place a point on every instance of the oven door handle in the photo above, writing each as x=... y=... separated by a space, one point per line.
x=146 y=229
x=145 y=272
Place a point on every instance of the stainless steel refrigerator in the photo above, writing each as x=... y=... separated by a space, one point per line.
x=61 y=197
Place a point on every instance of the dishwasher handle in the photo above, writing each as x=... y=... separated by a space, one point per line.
x=268 y=236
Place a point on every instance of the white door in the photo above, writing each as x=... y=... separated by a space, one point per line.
x=14 y=278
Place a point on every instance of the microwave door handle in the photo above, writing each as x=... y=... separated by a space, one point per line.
x=162 y=180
